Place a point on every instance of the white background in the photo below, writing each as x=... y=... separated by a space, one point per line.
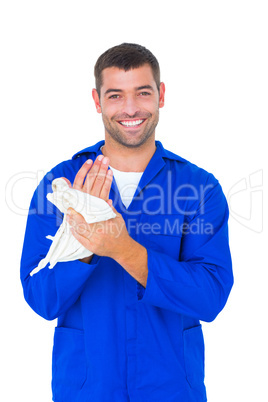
x=213 y=58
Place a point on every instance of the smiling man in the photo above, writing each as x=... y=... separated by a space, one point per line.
x=129 y=315
x=130 y=111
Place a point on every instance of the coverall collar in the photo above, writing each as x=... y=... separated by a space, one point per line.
x=155 y=165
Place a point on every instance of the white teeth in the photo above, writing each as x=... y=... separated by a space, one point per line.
x=131 y=123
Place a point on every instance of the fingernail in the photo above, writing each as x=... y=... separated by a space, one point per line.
x=110 y=172
x=89 y=161
x=100 y=157
x=105 y=160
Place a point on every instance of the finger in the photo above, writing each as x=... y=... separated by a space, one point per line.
x=74 y=218
x=106 y=187
x=100 y=176
x=67 y=181
x=81 y=174
x=83 y=240
x=77 y=222
x=91 y=175
x=71 y=211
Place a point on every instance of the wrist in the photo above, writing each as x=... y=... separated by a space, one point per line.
x=126 y=252
x=135 y=261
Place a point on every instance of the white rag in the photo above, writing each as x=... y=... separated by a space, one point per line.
x=64 y=245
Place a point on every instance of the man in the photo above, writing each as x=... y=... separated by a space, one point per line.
x=129 y=316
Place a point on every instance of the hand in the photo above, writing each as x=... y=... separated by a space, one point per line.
x=94 y=179
x=111 y=239
x=107 y=238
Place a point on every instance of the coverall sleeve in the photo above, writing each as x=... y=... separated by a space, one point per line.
x=199 y=283
x=49 y=292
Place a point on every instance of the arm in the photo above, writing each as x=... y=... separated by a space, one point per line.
x=51 y=292
x=198 y=284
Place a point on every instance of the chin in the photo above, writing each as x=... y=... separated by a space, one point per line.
x=131 y=143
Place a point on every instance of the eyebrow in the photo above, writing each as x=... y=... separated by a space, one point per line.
x=136 y=89
x=112 y=90
x=145 y=87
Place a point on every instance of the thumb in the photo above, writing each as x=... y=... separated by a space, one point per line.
x=67 y=181
x=110 y=203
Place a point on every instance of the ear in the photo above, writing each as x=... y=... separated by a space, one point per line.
x=162 y=90
x=96 y=99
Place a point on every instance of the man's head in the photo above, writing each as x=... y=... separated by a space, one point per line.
x=126 y=56
x=128 y=94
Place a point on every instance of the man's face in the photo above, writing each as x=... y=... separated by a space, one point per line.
x=129 y=102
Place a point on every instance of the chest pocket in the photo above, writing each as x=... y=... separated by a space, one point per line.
x=162 y=233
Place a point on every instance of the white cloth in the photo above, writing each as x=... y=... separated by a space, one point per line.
x=64 y=245
x=127 y=183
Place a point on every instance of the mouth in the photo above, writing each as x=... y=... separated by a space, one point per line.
x=131 y=123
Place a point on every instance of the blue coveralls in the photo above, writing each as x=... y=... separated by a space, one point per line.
x=115 y=340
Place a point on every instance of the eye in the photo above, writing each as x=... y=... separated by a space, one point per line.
x=144 y=93
x=114 y=97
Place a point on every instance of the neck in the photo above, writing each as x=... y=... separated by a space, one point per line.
x=128 y=159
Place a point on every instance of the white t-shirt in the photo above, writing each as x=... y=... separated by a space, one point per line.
x=127 y=183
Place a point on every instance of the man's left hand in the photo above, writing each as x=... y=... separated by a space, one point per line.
x=111 y=239
x=107 y=238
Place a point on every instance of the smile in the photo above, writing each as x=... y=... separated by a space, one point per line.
x=131 y=123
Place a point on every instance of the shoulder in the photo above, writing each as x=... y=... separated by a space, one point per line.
x=186 y=170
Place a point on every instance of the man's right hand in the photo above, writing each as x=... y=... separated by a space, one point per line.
x=94 y=179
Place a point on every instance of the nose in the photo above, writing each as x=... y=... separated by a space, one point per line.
x=130 y=106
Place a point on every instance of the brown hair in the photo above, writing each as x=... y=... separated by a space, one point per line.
x=126 y=57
